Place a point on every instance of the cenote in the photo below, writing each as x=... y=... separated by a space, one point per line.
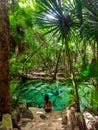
x=32 y=93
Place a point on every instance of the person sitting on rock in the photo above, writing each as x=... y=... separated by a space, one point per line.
x=47 y=104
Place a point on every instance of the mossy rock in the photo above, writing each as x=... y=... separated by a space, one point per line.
x=2 y=127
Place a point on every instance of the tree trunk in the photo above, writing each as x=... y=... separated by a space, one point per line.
x=57 y=65
x=94 y=49
x=97 y=69
x=73 y=78
x=4 y=59
x=75 y=91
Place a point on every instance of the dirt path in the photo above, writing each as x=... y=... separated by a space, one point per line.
x=53 y=121
x=43 y=121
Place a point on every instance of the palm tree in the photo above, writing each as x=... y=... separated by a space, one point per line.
x=4 y=59
x=91 y=30
x=57 y=17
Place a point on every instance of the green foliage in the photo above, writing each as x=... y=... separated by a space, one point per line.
x=94 y=104
x=85 y=71
x=90 y=71
x=91 y=19
x=59 y=21
x=14 y=93
x=15 y=67
x=21 y=20
x=93 y=69
x=88 y=96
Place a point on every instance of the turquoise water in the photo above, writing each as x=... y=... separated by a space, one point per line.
x=32 y=93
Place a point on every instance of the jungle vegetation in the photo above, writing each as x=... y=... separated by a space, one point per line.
x=52 y=47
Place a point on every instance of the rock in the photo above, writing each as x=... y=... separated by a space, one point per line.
x=2 y=127
x=64 y=119
x=16 y=118
x=26 y=113
x=71 y=119
x=16 y=115
x=89 y=121
x=43 y=117
x=96 y=125
x=7 y=121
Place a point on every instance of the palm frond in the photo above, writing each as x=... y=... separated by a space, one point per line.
x=91 y=19
x=52 y=16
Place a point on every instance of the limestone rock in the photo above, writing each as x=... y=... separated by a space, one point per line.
x=7 y=121
x=2 y=127
x=15 y=116
x=26 y=113
x=43 y=117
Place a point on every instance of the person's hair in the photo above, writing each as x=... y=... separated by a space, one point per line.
x=46 y=98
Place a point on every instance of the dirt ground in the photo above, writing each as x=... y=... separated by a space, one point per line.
x=37 y=119
x=42 y=120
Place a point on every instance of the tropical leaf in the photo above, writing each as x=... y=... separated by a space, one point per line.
x=50 y=15
x=91 y=19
